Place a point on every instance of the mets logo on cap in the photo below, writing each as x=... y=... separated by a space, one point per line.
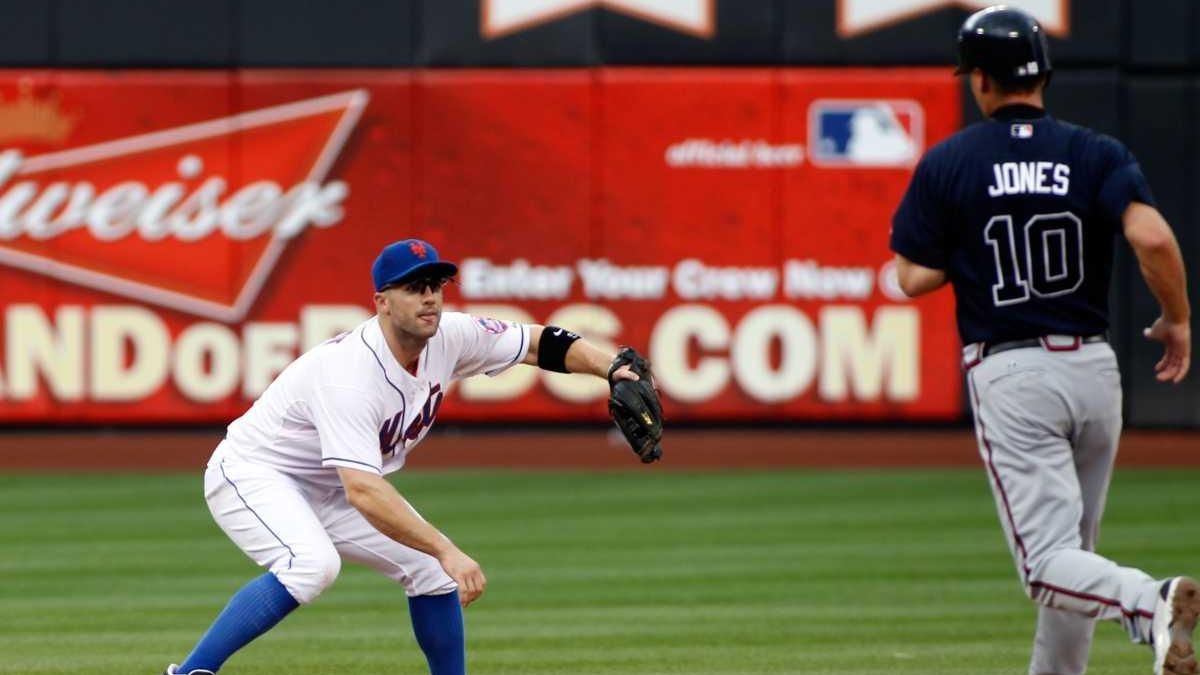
x=408 y=259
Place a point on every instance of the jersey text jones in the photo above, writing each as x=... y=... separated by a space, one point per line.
x=1021 y=178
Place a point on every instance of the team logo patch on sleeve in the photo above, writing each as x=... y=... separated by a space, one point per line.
x=494 y=326
x=865 y=133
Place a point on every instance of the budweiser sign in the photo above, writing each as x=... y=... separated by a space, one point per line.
x=152 y=216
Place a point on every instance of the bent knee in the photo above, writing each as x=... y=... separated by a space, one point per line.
x=429 y=582
x=307 y=576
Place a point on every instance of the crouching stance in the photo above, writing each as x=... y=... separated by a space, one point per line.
x=298 y=482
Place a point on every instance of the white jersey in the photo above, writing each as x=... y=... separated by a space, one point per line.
x=348 y=403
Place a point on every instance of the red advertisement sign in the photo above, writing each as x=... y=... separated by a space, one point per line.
x=169 y=241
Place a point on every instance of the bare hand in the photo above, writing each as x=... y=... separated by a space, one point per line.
x=1177 y=344
x=466 y=573
x=625 y=373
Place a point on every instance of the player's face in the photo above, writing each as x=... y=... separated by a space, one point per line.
x=413 y=309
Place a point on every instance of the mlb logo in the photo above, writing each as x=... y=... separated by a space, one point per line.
x=1022 y=131
x=865 y=133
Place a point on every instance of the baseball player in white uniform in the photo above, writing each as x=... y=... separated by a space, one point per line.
x=298 y=482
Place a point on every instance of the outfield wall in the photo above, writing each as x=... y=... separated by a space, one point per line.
x=682 y=172
x=166 y=264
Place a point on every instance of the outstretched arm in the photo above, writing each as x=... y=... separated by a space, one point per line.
x=1162 y=267
x=581 y=357
x=391 y=514
x=633 y=401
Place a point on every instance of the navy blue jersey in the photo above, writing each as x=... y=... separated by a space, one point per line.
x=1021 y=212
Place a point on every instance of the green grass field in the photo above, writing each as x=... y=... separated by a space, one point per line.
x=640 y=572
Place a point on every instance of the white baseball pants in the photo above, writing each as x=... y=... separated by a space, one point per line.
x=301 y=531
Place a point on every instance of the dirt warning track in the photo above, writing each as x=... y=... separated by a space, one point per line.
x=128 y=450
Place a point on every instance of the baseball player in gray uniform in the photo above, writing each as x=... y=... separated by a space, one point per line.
x=297 y=483
x=1019 y=213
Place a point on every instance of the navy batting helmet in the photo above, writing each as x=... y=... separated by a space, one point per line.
x=1005 y=43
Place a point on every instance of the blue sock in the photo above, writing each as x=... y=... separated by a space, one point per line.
x=438 y=624
x=252 y=611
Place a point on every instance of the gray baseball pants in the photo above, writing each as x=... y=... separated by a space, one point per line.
x=1048 y=420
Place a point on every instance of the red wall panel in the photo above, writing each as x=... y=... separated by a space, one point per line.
x=210 y=226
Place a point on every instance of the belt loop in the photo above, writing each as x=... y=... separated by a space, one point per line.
x=972 y=355
x=1076 y=341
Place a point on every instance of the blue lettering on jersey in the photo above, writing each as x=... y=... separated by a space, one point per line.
x=387 y=433
x=428 y=411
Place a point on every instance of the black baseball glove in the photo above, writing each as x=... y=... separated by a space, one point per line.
x=634 y=406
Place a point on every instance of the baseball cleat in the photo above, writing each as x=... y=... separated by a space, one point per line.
x=174 y=670
x=1175 y=615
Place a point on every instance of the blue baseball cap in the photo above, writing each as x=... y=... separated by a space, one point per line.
x=408 y=259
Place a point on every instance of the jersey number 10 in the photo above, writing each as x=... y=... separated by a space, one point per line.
x=1050 y=264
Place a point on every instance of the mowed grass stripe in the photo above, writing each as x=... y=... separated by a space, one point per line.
x=640 y=572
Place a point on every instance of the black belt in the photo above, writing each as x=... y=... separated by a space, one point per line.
x=997 y=347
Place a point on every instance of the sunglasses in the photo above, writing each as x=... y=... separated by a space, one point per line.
x=418 y=286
